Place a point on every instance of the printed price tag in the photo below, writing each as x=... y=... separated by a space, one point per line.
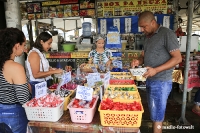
x=84 y=93
x=66 y=77
x=40 y=89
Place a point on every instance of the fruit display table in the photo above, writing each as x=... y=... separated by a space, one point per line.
x=65 y=124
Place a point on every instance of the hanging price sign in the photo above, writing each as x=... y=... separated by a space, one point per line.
x=66 y=77
x=40 y=89
x=84 y=93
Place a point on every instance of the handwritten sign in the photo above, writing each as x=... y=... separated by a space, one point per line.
x=106 y=79
x=66 y=77
x=84 y=93
x=40 y=89
x=92 y=78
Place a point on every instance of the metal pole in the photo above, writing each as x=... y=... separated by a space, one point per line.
x=64 y=29
x=175 y=8
x=183 y=120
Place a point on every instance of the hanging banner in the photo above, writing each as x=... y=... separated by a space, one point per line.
x=131 y=7
x=166 y=21
x=103 y=26
x=127 y=25
x=116 y=22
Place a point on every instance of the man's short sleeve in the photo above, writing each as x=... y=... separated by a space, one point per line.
x=171 y=42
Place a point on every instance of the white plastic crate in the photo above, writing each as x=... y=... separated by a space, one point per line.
x=81 y=115
x=44 y=113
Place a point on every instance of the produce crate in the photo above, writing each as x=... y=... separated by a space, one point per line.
x=68 y=98
x=81 y=115
x=121 y=80
x=120 y=73
x=135 y=94
x=44 y=113
x=121 y=118
x=112 y=87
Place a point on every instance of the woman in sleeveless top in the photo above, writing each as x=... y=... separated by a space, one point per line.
x=37 y=65
x=14 y=90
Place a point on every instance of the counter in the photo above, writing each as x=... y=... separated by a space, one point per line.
x=65 y=124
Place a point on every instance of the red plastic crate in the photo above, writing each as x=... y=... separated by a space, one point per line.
x=121 y=82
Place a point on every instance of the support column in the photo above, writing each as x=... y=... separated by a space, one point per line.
x=13 y=19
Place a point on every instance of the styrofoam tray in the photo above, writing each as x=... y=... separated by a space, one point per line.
x=138 y=71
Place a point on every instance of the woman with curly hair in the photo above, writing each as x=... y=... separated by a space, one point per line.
x=14 y=90
x=37 y=64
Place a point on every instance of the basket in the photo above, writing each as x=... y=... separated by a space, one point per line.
x=113 y=86
x=138 y=71
x=121 y=118
x=67 y=99
x=44 y=113
x=121 y=82
x=120 y=73
x=135 y=94
x=81 y=115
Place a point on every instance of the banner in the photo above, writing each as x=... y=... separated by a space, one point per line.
x=130 y=7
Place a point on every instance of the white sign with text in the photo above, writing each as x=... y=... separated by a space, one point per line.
x=41 y=89
x=84 y=93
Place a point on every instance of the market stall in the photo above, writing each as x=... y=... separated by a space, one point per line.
x=124 y=39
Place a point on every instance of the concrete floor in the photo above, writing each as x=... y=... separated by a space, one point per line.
x=173 y=113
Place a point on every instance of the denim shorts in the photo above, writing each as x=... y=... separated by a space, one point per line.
x=197 y=98
x=14 y=116
x=157 y=95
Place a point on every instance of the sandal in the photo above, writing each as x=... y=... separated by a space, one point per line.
x=194 y=111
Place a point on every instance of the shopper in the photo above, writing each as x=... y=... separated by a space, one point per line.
x=161 y=53
x=37 y=65
x=99 y=54
x=14 y=90
x=196 y=107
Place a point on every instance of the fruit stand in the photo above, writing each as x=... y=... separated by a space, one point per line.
x=119 y=110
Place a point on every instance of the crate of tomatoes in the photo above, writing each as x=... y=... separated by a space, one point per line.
x=123 y=114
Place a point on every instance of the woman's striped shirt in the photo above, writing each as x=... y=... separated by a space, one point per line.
x=13 y=93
